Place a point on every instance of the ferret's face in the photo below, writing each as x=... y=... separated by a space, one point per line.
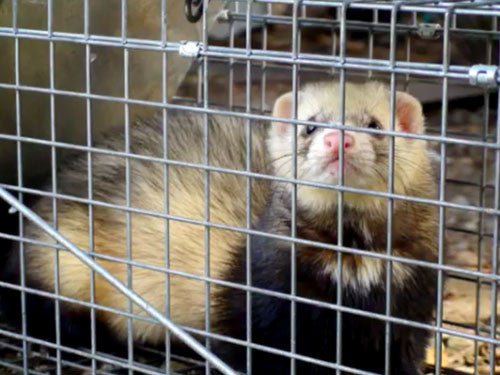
x=365 y=155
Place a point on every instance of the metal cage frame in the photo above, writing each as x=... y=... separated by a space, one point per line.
x=485 y=76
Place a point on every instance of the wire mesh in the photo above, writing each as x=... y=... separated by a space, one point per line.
x=434 y=49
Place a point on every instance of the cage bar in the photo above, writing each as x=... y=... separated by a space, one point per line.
x=265 y=40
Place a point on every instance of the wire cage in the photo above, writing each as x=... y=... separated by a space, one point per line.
x=70 y=69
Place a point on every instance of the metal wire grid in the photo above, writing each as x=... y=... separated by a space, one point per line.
x=265 y=58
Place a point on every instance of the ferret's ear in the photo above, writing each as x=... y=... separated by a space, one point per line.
x=283 y=108
x=409 y=113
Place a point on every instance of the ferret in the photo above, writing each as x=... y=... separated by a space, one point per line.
x=414 y=233
x=363 y=278
x=186 y=246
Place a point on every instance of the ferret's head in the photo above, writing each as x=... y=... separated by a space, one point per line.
x=365 y=155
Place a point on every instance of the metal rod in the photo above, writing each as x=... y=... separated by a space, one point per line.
x=333 y=125
x=248 y=187
x=122 y=288
x=166 y=190
x=364 y=64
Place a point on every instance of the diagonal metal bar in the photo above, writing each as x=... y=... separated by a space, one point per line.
x=138 y=300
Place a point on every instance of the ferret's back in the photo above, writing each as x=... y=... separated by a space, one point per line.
x=148 y=245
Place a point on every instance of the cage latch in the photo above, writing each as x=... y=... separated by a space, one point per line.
x=483 y=75
x=428 y=30
x=190 y=49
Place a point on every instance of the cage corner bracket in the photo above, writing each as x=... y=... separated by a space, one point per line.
x=190 y=49
x=483 y=75
x=429 y=30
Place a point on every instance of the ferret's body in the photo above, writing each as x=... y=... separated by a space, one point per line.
x=414 y=235
x=363 y=339
x=364 y=227
x=186 y=243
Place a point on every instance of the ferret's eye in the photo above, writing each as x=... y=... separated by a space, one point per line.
x=374 y=125
x=310 y=129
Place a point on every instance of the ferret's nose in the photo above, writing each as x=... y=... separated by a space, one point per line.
x=331 y=141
